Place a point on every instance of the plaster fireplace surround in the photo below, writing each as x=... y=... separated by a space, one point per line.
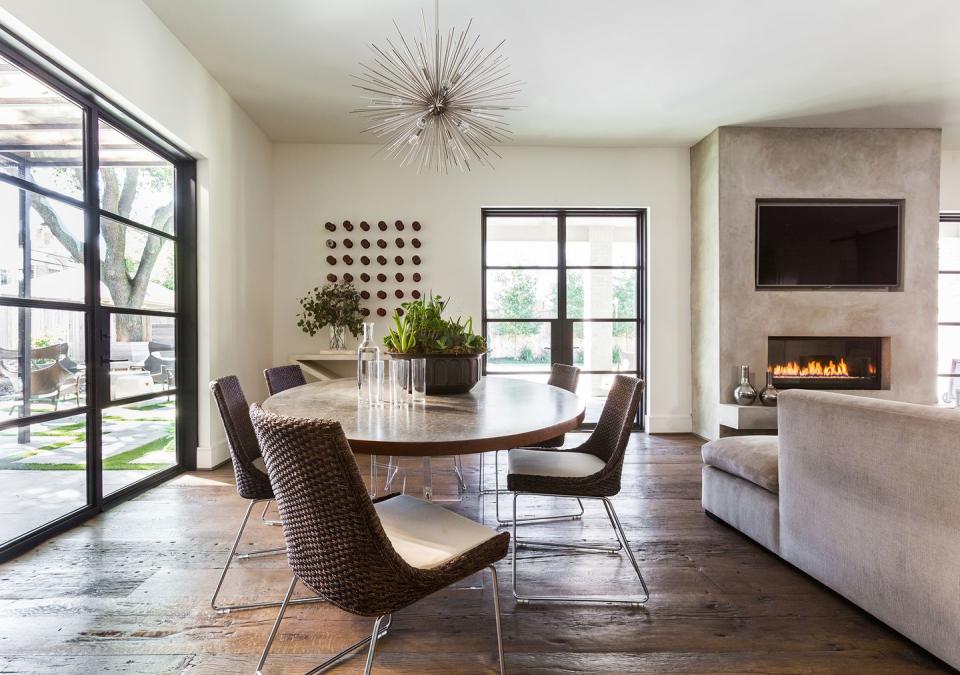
x=733 y=323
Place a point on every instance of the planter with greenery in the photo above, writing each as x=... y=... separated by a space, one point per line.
x=451 y=349
x=335 y=305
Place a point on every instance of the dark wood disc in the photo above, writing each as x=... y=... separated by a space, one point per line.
x=382 y=225
x=415 y=243
x=365 y=243
x=381 y=277
x=365 y=295
x=381 y=311
x=330 y=227
x=416 y=260
x=417 y=277
x=348 y=226
x=382 y=295
x=331 y=260
x=365 y=226
x=364 y=277
x=398 y=277
x=348 y=243
x=332 y=278
x=415 y=225
x=398 y=242
x=399 y=225
x=348 y=259
x=415 y=294
x=365 y=260
x=331 y=243
x=382 y=260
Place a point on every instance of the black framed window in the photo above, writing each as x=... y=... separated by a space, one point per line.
x=565 y=286
x=97 y=302
x=948 y=368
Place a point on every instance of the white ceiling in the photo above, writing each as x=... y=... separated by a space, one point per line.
x=602 y=72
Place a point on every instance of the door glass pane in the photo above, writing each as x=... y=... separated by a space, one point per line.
x=602 y=294
x=949 y=361
x=521 y=294
x=41 y=133
x=42 y=473
x=605 y=345
x=950 y=298
x=139 y=439
x=137 y=269
x=142 y=355
x=518 y=345
x=950 y=247
x=521 y=241
x=602 y=241
x=55 y=236
x=55 y=359
x=134 y=182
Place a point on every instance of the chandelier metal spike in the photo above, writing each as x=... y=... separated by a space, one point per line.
x=437 y=102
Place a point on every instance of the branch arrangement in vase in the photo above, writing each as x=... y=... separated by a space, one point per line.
x=336 y=305
x=421 y=329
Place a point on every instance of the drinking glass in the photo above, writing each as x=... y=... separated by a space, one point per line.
x=399 y=382
x=371 y=383
x=418 y=380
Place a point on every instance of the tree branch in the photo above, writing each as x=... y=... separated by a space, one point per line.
x=52 y=221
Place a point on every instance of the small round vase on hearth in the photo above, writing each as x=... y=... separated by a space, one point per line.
x=744 y=393
x=768 y=396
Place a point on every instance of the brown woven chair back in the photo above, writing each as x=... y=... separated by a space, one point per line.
x=282 y=378
x=335 y=542
x=241 y=439
x=565 y=377
x=609 y=439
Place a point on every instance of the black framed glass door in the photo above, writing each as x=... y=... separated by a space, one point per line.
x=564 y=286
x=97 y=304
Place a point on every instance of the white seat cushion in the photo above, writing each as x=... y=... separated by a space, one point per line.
x=260 y=464
x=426 y=535
x=562 y=464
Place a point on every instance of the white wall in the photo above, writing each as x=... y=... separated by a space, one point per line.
x=950 y=180
x=318 y=183
x=122 y=48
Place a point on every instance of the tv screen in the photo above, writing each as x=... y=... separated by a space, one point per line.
x=817 y=244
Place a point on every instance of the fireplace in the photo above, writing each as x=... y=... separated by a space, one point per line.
x=825 y=362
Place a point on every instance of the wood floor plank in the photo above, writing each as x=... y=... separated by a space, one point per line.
x=128 y=592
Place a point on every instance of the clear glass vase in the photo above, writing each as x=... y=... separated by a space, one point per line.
x=368 y=351
x=338 y=337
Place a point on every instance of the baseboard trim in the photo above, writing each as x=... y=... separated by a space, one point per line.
x=668 y=424
x=210 y=457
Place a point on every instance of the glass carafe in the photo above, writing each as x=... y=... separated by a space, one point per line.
x=367 y=351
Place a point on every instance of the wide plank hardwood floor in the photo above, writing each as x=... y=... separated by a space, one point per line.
x=129 y=592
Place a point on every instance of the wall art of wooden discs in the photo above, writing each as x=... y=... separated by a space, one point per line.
x=331 y=260
x=381 y=277
x=382 y=225
x=330 y=227
x=365 y=226
x=417 y=277
x=382 y=295
x=365 y=260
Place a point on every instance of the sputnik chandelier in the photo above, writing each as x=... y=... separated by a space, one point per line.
x=435 y=101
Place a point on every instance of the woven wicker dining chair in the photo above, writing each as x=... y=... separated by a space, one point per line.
x=565 y=377
x=590 y=471
x=250 y=472
x=281 y=378
x=369 y=558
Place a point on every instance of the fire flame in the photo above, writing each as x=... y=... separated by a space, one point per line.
x=813 y=369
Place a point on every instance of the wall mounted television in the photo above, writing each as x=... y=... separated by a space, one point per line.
x=828 y=244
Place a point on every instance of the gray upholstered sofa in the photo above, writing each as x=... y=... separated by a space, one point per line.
x=863 y=495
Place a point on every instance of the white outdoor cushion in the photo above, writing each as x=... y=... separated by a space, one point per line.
x=426 y=535
x=565 y=464
x=259 y=463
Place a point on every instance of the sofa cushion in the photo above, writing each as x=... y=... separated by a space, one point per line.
x=753 y=458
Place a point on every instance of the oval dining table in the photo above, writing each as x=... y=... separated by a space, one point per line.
x=499 y=413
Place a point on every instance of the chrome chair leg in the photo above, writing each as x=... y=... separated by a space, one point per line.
x=622 y=542
x=496 y=612
x=458 y=471
x=374 y=636
x=543 y=519
x=225 y=609
x=263 y=516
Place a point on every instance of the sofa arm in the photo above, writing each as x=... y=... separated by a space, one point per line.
x=870 y=506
